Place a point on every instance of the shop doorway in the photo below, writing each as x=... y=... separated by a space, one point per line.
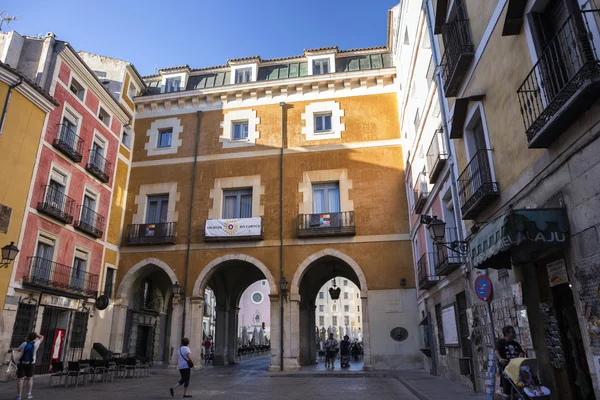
x=143 y=346
x=52 y=319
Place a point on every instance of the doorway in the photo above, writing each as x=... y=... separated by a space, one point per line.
x=52 y=319
x=143 y=347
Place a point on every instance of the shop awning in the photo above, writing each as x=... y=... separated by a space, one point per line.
x=518 y=237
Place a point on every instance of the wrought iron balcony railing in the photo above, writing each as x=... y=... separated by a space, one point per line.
x=436 y=155
x=156 y=233
x=326 y=224
x=448 y=260
x=425 y=276
x=69 y=143
x=90 y=222
x=475 y=185
x=458 y=54
x=98 y=166
x=57 y=204
x=63 y=278
x=420 y=192
x=562 y=84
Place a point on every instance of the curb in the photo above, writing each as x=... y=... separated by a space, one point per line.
x=411 y=388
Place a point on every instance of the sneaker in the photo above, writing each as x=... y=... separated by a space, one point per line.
x=172 y=392
x=29 y=396
x=18 y=397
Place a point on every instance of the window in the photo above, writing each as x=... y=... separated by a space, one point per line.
x=322 y=320
x=132 y=92
x=345 y=282
x=172 y=85
x=359 y=318
x=88 y=209
x=406 y=39
x=42 y=266
x=79 y=270
x=243 y=75
x=109 y=282
x=126 y=139
x=334 y=320
x=55 y=194
x=358 y=295
x=264 y=283
x=237 y=203
x=97 y=154
x=321 y=295
x=334 y=308
x=257 y=319
x=346 y=320
x=346 y=309
x=323 y=123
x=417 y=120
x=68 y=130
x=358 y=308
x=240 y=130
x=104 y=116
x=157 y=209
x=345 y=295
x=77 y=89
x=440 y=328
x=426 y=41
x=164 y=138
x=147 y=293
x=326 y=197
x=321 y=66
x=321 y=308
x=257 y=297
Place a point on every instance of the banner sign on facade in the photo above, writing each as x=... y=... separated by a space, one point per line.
x=59 y=301
x=242 y=227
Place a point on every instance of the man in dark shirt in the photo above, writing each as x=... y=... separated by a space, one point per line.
x=344 y=351
x=507 y=349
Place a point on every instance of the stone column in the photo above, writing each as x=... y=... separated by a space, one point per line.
x=221 y=335
x=291 y=332
x=366 y=332
x=232 y=336
x=175 y=340
x=117 y=333
x=194 y=329
x=274 y=326
x=312 y=354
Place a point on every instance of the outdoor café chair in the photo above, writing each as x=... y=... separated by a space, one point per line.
x=58 y=370
x=77 y=369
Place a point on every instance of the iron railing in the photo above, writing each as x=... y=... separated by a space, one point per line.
x=69 y=143
x=52 y=275
x=458 y=54
x=475 y=184
x=98 y=166
x=155 y=233
x=420 y=192
x=57 y=204
x=90 y=222
x=425 y=267
x=448 y=260
x=326 y=224
x=567 y=73
x=436 y=155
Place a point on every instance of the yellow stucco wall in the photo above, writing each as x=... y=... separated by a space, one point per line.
x=110 y=257
x=124 y=151
x=18 y=145
x=118 y=202
x=125 y=93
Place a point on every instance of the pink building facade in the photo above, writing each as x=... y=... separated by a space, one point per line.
x=255 y=309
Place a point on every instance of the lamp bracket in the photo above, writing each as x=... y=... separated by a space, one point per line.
x=456 y=246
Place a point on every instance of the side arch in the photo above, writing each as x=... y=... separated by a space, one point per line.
x=136 y=271
x=301 y=270
x=202 y=280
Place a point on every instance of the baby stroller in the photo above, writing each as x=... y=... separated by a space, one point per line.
x=522 y=374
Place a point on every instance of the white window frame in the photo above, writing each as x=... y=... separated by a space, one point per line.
x=240 y=123
x=87 y=191
x=132 y=88
x=319 y=63
x=238 y=199
x=102 y=142
x=337 y=127
x=230 y=117
x=323 y=115
x=330 y=55
x=85 y=254
x=84 y=88
x=69 y=113
x=49 y=239
x=129 y=134
x=60 y=171
x=242 y=73
x=253 y=74
x=100 y=109
x=476 y=111
x=173 y=79
x=158 y=137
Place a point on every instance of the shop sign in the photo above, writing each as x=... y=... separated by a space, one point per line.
x=59 y=301
x=241 y=227
x=557 y=273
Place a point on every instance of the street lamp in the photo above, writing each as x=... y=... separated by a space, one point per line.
x=437 y=230
x=177 y=291
x=9 y=253
x=334 y=291
x=283 y=286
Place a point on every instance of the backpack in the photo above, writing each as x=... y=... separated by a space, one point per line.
x=27 y=356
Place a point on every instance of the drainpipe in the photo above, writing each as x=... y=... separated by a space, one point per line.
x=189 y=227
x=8 y=94
x=282 y=105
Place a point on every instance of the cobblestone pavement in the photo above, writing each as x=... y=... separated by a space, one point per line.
x=249 y=380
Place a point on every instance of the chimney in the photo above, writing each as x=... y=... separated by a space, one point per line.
x=51 y=35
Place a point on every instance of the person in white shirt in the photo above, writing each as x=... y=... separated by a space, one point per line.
x=26 y=362
x=185 y=364
x=330 y=347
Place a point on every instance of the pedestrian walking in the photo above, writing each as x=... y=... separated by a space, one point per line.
x=185 y=365
x=331 y=348
x=28 y=350
x=345 y=352
x=207 y=349
x=507 y=349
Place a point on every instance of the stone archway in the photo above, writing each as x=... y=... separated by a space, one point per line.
x=135 y=272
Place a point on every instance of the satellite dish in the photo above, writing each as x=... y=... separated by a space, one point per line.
x=102 y=302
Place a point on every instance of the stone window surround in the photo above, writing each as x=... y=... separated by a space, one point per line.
x=226 y=137
x=152 y=133
x=50 y=239
x=182 y=83
x=253 y=74
x=236 y=182
x=308 y=117
x=331 y=175
x=141 y=200
x=330 y=55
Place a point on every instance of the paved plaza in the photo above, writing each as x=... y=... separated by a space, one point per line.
x=249 y=380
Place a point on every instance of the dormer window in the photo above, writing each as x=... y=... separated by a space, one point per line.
x=321 y=66
x=77 y=89
x=243 y=75
x=172 y=85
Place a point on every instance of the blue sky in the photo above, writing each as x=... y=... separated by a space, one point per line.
x=202 y=33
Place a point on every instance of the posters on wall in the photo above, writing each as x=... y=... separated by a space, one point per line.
x=557 y=273
x=450 y=327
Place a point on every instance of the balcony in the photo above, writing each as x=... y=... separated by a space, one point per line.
x=447 y=260
x=436 y=155
x=59 y=277
x=216 y=230
x=420 y=192
x=56 y=204
x=151 y=234
x=98 y=166
x=90 y=222
x=476 y=187
x=69 y=143
x=426 y=278
x=458 y=54
x=326 y=224
x=562 y=85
